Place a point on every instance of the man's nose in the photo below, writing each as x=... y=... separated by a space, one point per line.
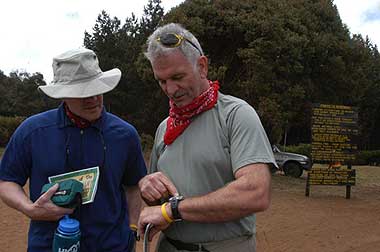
x=171 y=88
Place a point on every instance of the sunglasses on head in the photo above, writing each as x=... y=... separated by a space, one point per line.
x=175 y=40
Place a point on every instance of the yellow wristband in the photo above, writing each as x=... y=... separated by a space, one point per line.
x=133 y=227
x=165 y=214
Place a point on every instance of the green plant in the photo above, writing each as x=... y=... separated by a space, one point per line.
x=7 y=126
x=371 y=157
x=303 y=149
x=146 y=143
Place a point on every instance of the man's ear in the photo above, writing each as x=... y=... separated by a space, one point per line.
x=203 y=66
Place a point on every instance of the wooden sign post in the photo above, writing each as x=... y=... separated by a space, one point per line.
x=334 y=132
x=332 y=177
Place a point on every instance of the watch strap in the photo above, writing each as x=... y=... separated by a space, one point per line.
x=174 y=203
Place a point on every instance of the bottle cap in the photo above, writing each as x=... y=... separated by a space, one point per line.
x=68 y=225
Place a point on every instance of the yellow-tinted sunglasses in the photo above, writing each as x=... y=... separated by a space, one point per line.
x=175 y=40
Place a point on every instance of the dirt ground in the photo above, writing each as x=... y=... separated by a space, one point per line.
x=326 y=221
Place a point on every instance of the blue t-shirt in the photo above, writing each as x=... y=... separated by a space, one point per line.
x=49 y=144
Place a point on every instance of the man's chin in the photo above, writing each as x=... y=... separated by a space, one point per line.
x=93 y=115
x=181 y=102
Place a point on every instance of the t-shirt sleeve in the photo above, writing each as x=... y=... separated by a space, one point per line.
x=249 y=143
x=136 y=168
x=16 y=161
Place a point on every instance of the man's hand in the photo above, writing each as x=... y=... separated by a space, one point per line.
x=153 y=215
x=45 y=209
x=156 y=186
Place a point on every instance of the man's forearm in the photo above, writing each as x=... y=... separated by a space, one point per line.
x=249 y=193
x=14 y=196
x=134 y=203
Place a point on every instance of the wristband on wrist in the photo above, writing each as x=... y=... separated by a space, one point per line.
x=165 y=214
x=133 y=227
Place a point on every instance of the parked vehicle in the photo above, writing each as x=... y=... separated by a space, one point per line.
x=291 y=163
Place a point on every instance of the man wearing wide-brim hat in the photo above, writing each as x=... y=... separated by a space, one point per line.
x=82 y=139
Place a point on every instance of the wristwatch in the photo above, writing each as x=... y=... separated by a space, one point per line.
x=174 y=203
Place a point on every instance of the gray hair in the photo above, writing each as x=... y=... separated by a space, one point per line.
x=156 y=49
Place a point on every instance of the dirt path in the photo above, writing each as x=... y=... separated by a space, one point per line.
x=323 y=222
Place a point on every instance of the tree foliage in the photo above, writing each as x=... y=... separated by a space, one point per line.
x=20 y=96
x=136 y=98
x=282 y=56
x=279 y=56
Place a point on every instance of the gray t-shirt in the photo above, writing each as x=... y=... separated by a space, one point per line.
x=205 y=157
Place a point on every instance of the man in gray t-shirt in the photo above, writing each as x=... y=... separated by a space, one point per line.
x=210 y=156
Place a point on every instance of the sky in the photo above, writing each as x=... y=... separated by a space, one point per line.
x=33 y=32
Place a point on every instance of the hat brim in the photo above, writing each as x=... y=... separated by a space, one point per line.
x=102 y=83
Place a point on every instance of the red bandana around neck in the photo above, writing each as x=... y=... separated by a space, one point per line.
x=180 y=118
x=77 y=120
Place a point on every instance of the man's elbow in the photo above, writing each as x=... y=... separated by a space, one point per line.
x=265 y=202
x=262 y=201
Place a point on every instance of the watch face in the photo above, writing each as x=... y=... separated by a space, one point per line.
x=178 y=198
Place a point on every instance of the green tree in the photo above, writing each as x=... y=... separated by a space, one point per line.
x=281 y=56
x=122 y=47
x=20 y=94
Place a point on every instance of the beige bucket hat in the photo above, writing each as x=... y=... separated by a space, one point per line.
x=77 y=75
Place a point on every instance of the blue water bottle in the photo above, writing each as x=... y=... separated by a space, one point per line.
x=67 y=236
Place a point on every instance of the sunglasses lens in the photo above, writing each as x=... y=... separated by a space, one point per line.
x=175 y=40
x=170 y=40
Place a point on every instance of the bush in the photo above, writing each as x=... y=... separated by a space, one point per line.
x=303 y=149
x=7 y=126
x=146 y=144
x=371 y=157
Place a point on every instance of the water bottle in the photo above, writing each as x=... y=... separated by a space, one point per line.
x=67 y=236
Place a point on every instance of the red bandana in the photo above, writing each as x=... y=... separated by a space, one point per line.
x=180 y=118
x=78 y=121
